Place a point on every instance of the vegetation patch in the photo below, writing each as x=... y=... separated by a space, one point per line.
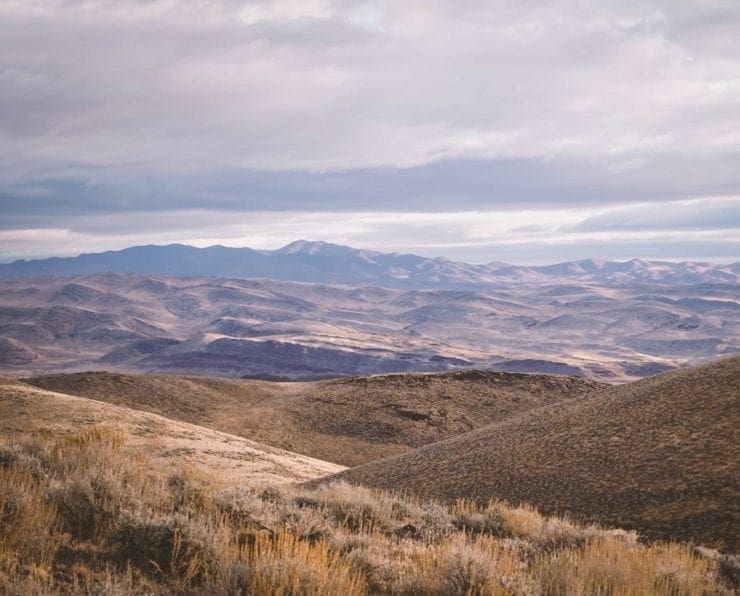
x=77 y=515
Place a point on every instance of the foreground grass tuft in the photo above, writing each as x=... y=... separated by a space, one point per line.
x=79 y=514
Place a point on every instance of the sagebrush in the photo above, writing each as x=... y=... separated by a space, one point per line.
x=79 y=513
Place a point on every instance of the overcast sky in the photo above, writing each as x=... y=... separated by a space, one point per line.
x=480 y=130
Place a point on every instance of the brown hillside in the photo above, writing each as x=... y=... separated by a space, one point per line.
x=347 y=421
x=80 y=515
x=659 y=456
x=25 y=410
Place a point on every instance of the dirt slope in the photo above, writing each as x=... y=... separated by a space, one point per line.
x=25 y=409
x=661 y=455
x=347 y=421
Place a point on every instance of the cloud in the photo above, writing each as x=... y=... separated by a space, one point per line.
x=702 y=214
x=527 y=237
x=436 y=187
x=133 y=111
x=348 y=84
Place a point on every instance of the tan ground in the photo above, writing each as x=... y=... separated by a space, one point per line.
x=235 y=460
x=347 y=421
x=661 y=456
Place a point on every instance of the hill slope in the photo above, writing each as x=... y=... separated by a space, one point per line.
x=81 y=516
x=25 y=409
x=659 y=455
x=347 y=421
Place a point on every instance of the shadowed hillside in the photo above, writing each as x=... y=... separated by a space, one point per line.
x=347 y=421
x=25 y=409
x=659 y=455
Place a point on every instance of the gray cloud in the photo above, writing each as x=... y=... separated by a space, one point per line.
x=704 y=214
x=114 y=107
x=441 y=186
x=320 y=84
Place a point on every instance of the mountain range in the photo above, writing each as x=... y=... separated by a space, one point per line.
x=322 y=262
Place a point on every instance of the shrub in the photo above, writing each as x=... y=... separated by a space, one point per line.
x=79 y=515
x=28 y=523
x=87 y=507
x=289 y=565
x=611 y=566
x=171 y=546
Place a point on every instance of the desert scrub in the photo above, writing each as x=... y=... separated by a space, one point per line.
x=287 y=564
x=460 y=566
x=608 y=566
x=28 y=523
x=82 y=514
x=358 y=509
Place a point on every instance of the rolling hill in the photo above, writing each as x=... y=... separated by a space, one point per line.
x=86 y=512
x=27 y=410
x=346 y=421
x=289 y=330
x=660 y=455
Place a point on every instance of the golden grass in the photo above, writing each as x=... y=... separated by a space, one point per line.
x=606 y=567
x=25 y=409
x=78 y=514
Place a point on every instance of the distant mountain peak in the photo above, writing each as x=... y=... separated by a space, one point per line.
x=324 y=262
x=304 y=247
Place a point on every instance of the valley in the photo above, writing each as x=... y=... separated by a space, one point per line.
x=284 y=330
x=346 y=421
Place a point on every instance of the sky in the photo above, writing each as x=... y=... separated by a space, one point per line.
x=521 y=131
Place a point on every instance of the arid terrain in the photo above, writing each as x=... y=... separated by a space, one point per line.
x=104 y=498
x=289 y=330
x=170 y=444
x=661 y=455
x=346 y=421
x=81 y=515
x=262 y=436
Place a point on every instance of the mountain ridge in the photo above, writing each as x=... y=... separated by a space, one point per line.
x=324 y=262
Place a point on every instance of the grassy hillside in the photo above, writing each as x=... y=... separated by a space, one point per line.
x=347 y=421
x=661 y=455
x=25 y=409
x=80 y=515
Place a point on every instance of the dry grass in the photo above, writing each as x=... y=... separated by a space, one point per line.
x=660 y=456
x=78 y=514
x=25 y=409
x=345 y=421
